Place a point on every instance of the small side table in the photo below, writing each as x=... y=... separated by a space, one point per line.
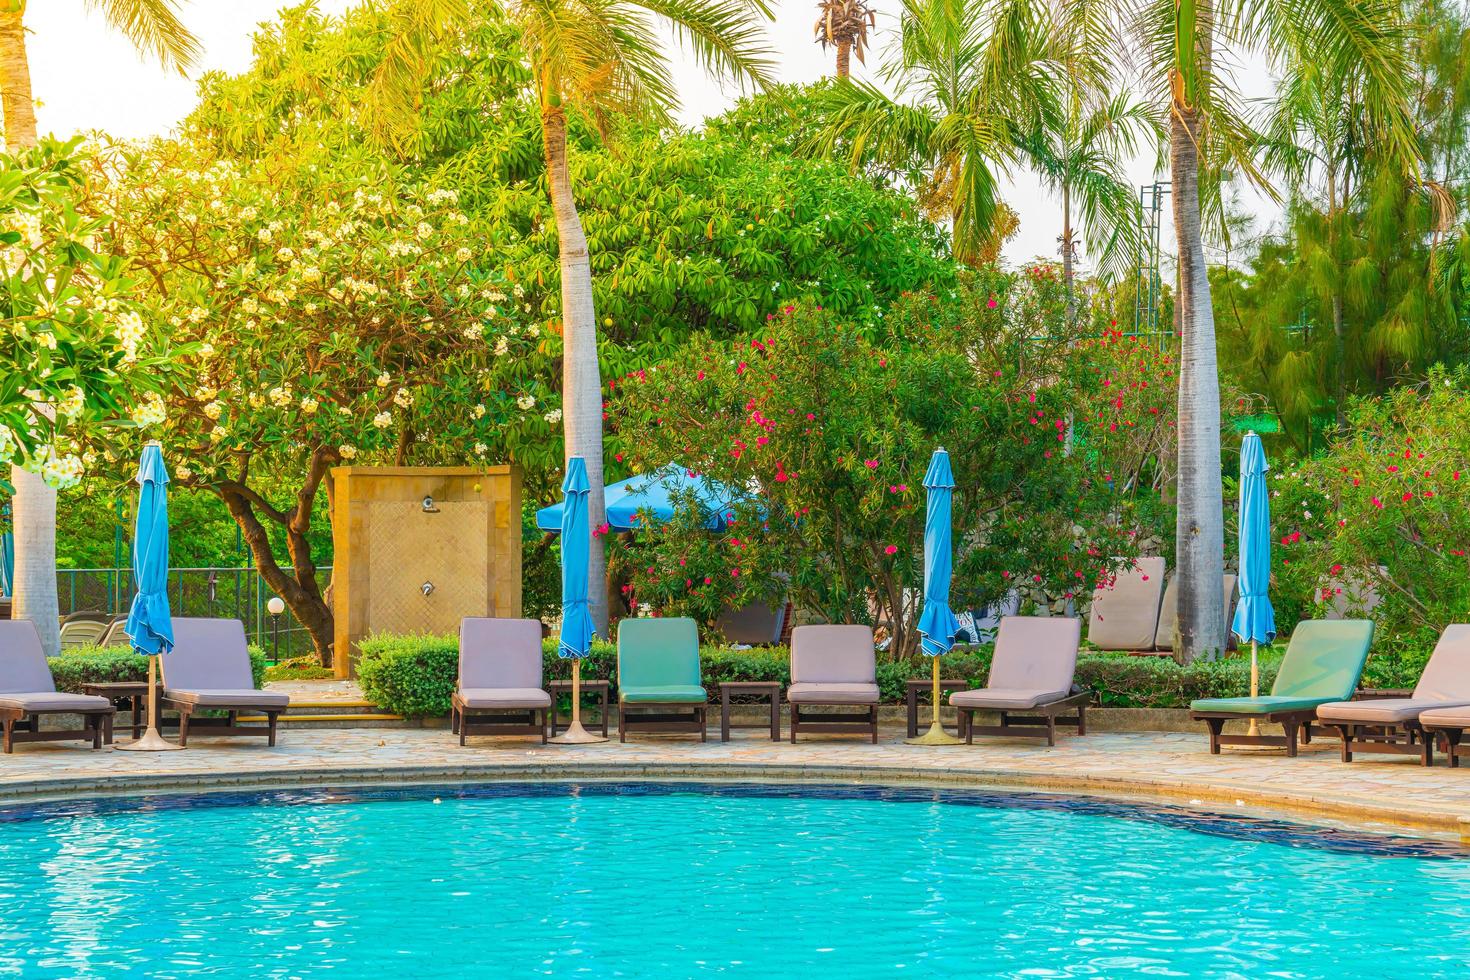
x=596 y=688
x=924 y=686
x=770 y=690
x=134 y=693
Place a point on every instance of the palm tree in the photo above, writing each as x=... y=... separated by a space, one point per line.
x=845 y=25
x=154 y=29
x=602 y=60
x=1181 y=44
x=976 y=79
x=1082 y=160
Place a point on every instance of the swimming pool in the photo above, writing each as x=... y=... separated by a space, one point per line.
x=672 y=880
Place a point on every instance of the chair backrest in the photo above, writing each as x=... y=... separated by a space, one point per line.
x=1125 y=614
x=208 y=654
x=1169 y=612
x=83 y=633
x=756 y=624
x=1324 y=659
x=23 y=667
x=1035 y=653
x=833 y=655
x=1447 y=675
x=117 y=634
x=658 y=652
x=499 y=653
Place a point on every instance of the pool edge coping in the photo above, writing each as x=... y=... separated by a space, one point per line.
x=1218 y=795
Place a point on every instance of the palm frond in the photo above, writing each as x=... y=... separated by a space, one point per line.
x=154 y=27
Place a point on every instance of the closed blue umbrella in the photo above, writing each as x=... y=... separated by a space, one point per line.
x=577 y=629
x=7 y=562
x=1255 y=621
x=150 y=626
x=937 y=623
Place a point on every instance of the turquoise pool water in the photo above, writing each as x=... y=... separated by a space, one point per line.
x=647 y=880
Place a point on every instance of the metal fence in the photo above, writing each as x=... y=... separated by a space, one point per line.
x=233 y=593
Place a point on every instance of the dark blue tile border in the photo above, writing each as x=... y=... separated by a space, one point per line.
x=1244 y=828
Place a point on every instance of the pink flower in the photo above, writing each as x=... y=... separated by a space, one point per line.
x=699 y=376
x=871 y=464
x=891 y=550
x=990 y=303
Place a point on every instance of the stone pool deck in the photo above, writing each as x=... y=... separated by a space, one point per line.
x=1389 y=793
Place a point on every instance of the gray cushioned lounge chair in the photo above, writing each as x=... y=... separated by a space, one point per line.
x=28 y=691
x=1392 y=725
x=1451 y=725
x=209 y=669
x=1031 y=683
x=1125 y=614
x=500 y=679
x=831 y=667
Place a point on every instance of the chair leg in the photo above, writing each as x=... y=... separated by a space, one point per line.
x=1051 y=730
x=270 y=738
x=1082 y=719
x=1452 y=742
x=1426 y=754
x=1290 y=727
x=703 y=725
x=1216 y=726
x=969 y=725
x=107 y=729
x=184 y=728
x=9 y=735
x=795 y=720
x=622 y=723
x=544 y=723
x=96 y=726
x=462 y=726
x=1345 y=732
x=873 y=720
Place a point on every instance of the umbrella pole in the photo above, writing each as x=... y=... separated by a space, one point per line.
x=575 y=733
x=151 y=740
x=1255 y=729
x=936 y=735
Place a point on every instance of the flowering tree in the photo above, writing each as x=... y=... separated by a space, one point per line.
x=80 y=353
x=832 y=429
x=326 y=316
x=1388 y=506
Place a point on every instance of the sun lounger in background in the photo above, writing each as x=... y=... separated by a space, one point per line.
x=1125 y=613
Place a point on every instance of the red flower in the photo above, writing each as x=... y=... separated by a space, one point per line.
x=891 y=550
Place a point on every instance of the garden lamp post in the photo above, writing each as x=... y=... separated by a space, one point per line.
x=275 y=607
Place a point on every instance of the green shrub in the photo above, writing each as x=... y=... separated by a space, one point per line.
x=100 y=665
x=412 y=675
x=299 y=669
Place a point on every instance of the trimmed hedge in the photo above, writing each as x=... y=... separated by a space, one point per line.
x=415 y=675
x=100 y=665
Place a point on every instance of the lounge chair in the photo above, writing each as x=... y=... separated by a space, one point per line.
x=1125 y=613
x=1451 y=725
x=1030 y=683
x=28 y=691
x=755 y=624
x=500 y=679
x=1392 y=725
x=831 y=667
x=659 y=687
x=84 y=629
x=1322 y=665
x=1169 y=613
x=117 y=634
x=209 y=670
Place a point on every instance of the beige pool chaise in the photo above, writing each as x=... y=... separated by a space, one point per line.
x=500 y=679
x=1451 y=724
x=1169 y=613
x=28 y=691
x=209 y=670
x=1393 y=725
x=1031 y=682
x=833 y=667
x=1125 y=614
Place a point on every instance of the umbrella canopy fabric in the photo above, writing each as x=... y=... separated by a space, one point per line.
x=576 y=547
x=937 y=624
x=149 y=624
x=7 y=562
x=653 y=494
x=1255 y=621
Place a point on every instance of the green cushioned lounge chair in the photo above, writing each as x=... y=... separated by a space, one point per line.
x=1322 y=664
x=659 y=686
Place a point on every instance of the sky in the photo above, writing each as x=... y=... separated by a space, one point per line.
x=87 y=77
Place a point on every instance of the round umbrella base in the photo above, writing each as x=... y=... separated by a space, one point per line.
x=150 y=742
x=577 y=735
x=936 y=735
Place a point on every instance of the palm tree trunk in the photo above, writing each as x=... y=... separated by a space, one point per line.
x=1199 y=527
x=1339 y=392
x=581 y=376
x=15 y=79
x=844 y=58
x=1067 y=272
x=34 y=506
